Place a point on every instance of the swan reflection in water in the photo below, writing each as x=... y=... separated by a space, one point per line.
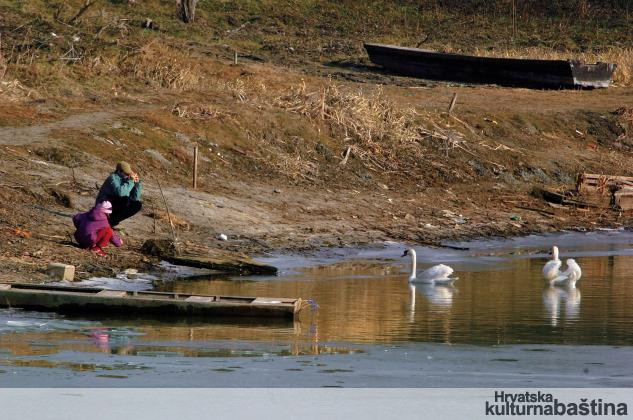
x=554 y=297
x=439 y=296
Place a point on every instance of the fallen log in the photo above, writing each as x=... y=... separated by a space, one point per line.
x=214 y=260
x=558 y=198
x=540 y=211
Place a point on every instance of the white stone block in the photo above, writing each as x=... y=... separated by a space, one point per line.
x=62 y=272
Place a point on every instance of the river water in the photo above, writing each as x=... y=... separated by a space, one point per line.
x=497 y=325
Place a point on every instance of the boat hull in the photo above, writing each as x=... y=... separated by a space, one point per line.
x=90 y=300
x=550 y=74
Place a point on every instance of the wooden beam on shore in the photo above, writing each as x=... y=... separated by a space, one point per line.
x=213 y=259
x=224 y=262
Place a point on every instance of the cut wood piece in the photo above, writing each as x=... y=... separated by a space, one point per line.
x=61 y=272
x=624 y=199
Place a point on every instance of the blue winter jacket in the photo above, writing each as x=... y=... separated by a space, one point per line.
x=115 y=186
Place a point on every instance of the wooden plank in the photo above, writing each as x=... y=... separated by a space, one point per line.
x=624 y=199
x=266 y=301
x=200 y=299
x=603 y=190
x=112 y=293
x=600 y=184
x=616 y=178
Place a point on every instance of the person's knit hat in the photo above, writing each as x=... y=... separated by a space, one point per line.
x=124 y=167
x=105 y=207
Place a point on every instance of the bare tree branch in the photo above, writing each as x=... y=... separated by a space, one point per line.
x=81 y=11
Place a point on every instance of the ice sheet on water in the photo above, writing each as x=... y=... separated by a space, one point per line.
x=15 y=320
x=120 y=282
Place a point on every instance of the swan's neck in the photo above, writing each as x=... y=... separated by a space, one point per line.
x=413 y=264
x=554 y=253
x=412 y=308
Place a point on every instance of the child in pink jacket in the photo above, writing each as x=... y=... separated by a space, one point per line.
x=93 y=229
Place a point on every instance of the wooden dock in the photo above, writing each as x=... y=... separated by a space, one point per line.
x=65 y=299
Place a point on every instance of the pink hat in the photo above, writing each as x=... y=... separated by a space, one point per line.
x=105 y=207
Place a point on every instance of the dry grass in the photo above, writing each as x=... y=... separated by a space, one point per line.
x=386 y=137
x=162 y=216
x=158 y=65
x=14 y=91
x=3 y=63
x=199 y=111
x=625 y=121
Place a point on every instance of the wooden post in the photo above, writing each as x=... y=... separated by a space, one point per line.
x=171 y=223
x=514 y=20
x=195 y=167
x=453 y=102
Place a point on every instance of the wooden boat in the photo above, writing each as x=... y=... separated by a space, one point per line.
x=68 y=299
x=551 y=74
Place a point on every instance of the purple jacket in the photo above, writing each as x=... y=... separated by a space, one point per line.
x=88 y=224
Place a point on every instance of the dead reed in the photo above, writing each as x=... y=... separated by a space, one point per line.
x=384 y=136
x=162 y=66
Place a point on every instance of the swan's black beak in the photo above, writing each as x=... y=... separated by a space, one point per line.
x=406 y=252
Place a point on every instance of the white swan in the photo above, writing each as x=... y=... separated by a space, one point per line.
x=438 y=274
x=570 y=276
x=551 y=269
x=553 y=275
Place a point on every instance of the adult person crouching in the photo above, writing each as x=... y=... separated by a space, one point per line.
x=123 y=189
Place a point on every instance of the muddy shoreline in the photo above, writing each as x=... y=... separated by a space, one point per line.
x=260 y=219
